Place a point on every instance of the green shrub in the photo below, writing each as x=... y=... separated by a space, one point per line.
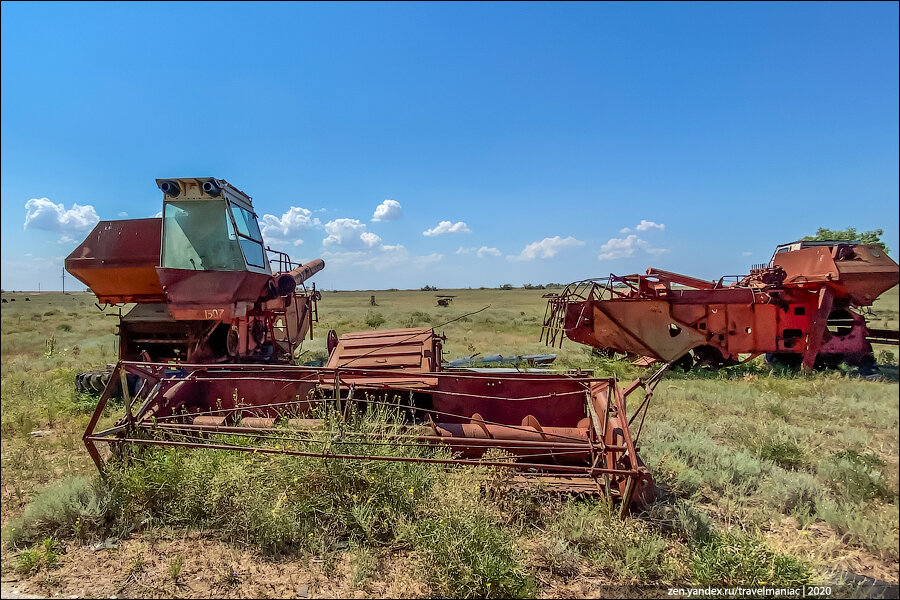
x=681 y=520
x=788 y=492
x=856 y=476
x=374 y=319
x=34 y=559
x=785 y=453
x=469 y=556
x=872 y=527
x=736 y=559
x=624 y=550
x=73 y=507
x=691 y=461
x=417 y=319
x=280 y=503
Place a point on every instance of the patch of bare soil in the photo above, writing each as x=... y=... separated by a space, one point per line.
x=197 y=566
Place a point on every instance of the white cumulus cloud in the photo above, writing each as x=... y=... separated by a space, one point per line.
x=288 y=227
x=448 y=227
x=488 y=251
x=644 y=225
x=625 y=247
x=546 y=248
x=389 y=210
x=350 y=234
x=746 y=254
x=480 y=252
x=40 y=213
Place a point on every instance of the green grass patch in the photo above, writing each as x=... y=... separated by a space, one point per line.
x=737 y=559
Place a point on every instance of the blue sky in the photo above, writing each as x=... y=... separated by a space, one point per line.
x=516 y=143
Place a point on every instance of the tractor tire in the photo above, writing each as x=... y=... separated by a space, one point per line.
x=79 y=383
x=93 y=382
x=96 y=381
x=784 y=360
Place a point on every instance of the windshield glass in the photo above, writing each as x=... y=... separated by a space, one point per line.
x=250 y=237
x=199 y=235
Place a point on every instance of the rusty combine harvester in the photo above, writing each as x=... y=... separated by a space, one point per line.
x=201 y=279
x=804 y=308
x=222 y=378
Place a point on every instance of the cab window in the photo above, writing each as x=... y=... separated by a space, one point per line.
x=199 y=235
x=249 y=236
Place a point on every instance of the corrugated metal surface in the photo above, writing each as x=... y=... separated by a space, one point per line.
x=408 y=350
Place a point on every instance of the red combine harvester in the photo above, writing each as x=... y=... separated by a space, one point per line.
x=210 y=367
x=804 y=307
x=201 y=279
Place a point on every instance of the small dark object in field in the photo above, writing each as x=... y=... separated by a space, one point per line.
x=5 y=301
x=27 y=299
x=13 y=299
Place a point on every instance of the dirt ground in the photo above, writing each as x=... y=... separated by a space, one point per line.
x=199 y=566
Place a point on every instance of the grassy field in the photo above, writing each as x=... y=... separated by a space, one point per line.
x=766 y=477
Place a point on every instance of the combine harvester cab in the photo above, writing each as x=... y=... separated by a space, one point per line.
x=804 y=307
x=201 y=278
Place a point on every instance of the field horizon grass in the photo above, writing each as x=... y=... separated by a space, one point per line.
x=765 y=476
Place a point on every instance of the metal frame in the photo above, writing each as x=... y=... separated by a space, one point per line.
x=598 y=456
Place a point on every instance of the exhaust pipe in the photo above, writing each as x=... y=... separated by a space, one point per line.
x=170 y=188
x=212 y=188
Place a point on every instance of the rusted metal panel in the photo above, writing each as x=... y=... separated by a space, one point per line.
x=554 y=400
x=211 y=295
x=860 y=272
x=409 y=350
x=650 y=324
x=118 y=261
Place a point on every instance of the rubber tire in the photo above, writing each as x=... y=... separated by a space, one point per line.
x=96 y=381
x=79 y=383
x=784 y=360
